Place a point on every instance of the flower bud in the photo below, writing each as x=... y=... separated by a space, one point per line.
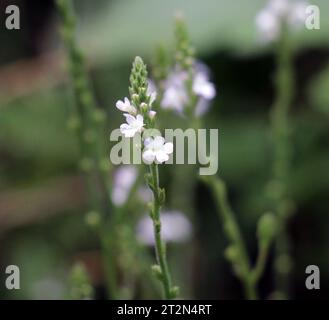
x=266 y=229
x=144 y=107
x=93 y=218
x=152 y=114
x=232 y=253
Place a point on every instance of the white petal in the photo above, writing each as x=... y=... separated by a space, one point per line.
x=127 y=131
x=268 y=25
x=161 y=156
x=129 y=118
x=168 y=148
x=159 y=141
x=123 y=180
x=120 y=105
x=148 y=142
x=148 y=156
x=140 y=119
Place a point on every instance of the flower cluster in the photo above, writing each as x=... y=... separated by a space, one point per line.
x=140 y=116
x=270 y=19
x=176 y=95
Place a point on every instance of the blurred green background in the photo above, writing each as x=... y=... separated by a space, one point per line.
x=42 y=196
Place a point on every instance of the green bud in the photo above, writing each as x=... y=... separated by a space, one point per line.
x=174 y=292
x=93 y=218
x=156 y=270
x=232 y=253
x=266 y=229
x=144 y=108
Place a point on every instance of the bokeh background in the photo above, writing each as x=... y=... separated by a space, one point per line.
x=42 y=195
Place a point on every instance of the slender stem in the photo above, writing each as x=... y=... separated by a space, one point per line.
x=282 y=149
x=259 y=267
x=159 y=244
x=91 y=147
x=241 y=262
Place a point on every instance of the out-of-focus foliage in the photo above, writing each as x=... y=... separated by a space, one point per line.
x=36 y=146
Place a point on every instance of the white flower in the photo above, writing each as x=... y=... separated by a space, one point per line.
x=175 y=227
x=268 y=20
x=133 y=125
x=123 y=180
x=175 y=95
x=126 y=106
x=157 y=150
x=203 y=87
x=268 y=25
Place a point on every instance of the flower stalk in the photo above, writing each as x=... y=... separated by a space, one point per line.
x=284 y=82
x=141 y=120
x=88 y=123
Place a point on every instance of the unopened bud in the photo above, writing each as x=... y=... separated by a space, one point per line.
x=152 y=114
x=266 y=230
x=93 y=218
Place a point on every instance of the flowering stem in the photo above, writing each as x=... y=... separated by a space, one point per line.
x=282 y=148
x=88 y=124
x=239 y=258
x=160 y=248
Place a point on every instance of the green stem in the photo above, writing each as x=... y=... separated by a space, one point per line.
x=282 y=150
x=159 y=244
x=88 y=115
x=259 y=268
x=241 y=263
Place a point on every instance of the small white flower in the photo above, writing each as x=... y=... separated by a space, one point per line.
x=157 y=150
x=176 y=95
x=133 y=125
x=126 y=106
x=268 y=25
x=279 y=7
x=175 y=227
x=123 y=180
x=203 y=87
x=298 y=14
x=269 y=20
